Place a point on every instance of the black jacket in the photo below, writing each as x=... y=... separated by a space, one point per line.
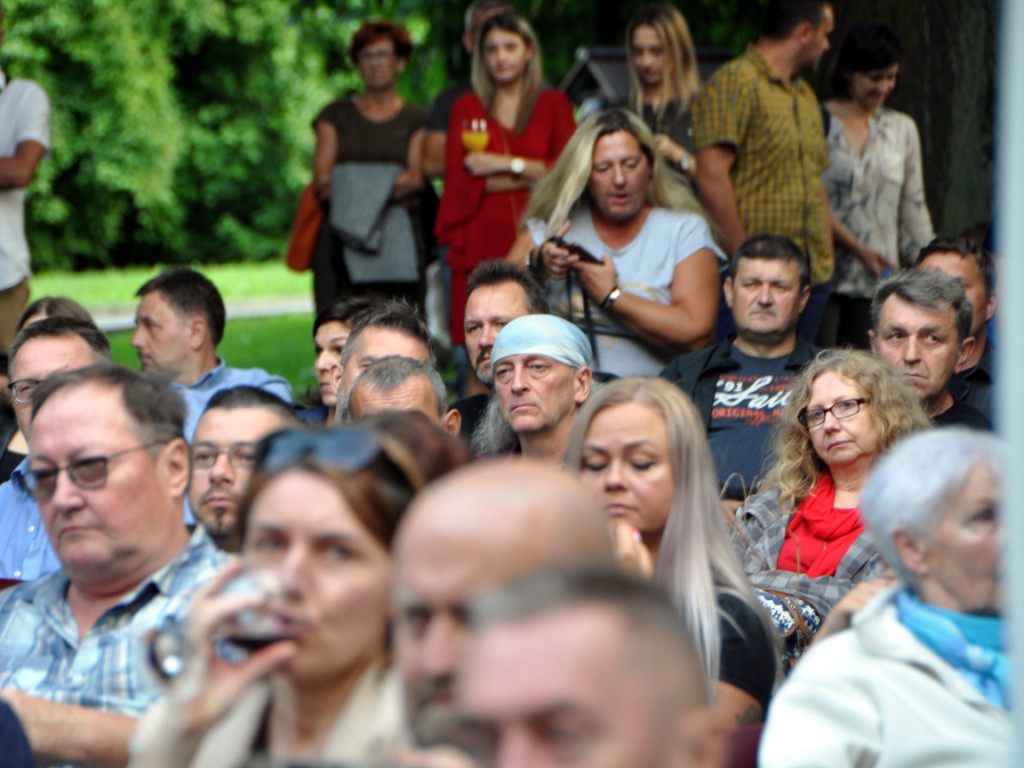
x=696 y=373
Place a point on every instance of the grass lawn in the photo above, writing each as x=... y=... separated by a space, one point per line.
x=281 y=345
x=112 y=287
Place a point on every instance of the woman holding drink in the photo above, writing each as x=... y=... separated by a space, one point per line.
x=503 y=136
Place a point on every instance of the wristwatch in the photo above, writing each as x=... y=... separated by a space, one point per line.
x=686 y=163
x=517 y=165
x=611 y=298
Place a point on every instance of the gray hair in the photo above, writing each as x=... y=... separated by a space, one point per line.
x=938 y=461
x=492 y=433
x=929 y=288
x=389 y=373
x=645 y=609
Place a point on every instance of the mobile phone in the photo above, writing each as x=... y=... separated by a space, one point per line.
x=577 y=249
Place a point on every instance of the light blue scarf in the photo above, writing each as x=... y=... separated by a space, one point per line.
x=972 y=645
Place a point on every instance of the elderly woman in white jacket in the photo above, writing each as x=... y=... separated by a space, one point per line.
x=922 y=678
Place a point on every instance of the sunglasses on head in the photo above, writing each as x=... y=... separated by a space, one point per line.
x=349 y=448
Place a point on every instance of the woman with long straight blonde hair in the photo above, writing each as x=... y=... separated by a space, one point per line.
x=640 y=444
x=502 y=137
x=664 y=81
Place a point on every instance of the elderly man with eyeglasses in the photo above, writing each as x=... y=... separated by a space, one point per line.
x=108 y=466
x=222 y=454
x=39 y=350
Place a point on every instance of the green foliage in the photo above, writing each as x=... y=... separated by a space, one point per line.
x=181 y=128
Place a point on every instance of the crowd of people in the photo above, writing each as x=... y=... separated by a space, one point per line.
x=721 y=480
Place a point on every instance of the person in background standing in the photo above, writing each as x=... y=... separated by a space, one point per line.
x=874 y=182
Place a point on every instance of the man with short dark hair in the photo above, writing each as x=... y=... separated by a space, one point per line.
x=397 y=328
x=109 y=467
x=178 y=325
x=741 y=384
x=921 y=320
x=222 y=454
x=396 y=383
x=591 y=647
x=497 y=293
x=973 y=265
x=40 y=350
x=761 y=145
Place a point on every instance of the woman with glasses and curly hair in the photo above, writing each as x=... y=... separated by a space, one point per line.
x=802 y=540
x=286 y=649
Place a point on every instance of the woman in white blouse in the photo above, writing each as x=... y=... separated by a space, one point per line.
x=875 y=183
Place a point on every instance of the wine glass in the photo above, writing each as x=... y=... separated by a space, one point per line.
x=475 y=137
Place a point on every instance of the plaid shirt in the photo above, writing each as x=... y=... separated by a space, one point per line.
x=41 y=654
x=776 y=130
x=758 y=534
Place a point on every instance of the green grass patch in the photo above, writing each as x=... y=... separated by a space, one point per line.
x=113 y=287
x=282 y=345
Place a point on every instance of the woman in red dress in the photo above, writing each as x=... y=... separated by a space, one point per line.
x=521 y=129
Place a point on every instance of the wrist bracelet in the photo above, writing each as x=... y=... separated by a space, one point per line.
x=611 y=298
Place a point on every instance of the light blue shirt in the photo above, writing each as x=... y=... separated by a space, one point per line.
x=40 y=650
x=25 y=550
x=219 y=378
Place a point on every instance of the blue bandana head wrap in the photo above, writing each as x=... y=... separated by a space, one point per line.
x=543 y=335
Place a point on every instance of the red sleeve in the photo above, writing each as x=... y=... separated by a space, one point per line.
x=563 y=124
x=463 y=192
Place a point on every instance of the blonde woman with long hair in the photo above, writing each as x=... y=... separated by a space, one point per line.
x=649 y=288
x=502 y=137
x=639 y=443
x=802 y=540
x=664 y=81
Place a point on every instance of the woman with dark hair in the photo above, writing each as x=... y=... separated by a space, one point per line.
x=376 y=126
x=330 y=332
x=875 y=182
x=664 y=81
x=285 y=652
x=502 y=137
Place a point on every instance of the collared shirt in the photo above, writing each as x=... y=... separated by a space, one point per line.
x=878 y=196
x=24 y=116
x=40 y=650
x=25 y=550
x=219 y=378
x=777 y=132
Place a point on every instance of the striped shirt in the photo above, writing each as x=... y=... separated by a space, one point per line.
x=776 y=130
x=40 y=650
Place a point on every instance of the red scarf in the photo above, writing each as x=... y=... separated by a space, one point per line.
x=819 y=534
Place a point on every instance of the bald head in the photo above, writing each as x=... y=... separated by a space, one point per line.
x=480 y=527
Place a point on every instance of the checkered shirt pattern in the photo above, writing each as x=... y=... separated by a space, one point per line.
x=776 y=130
x=758 y=534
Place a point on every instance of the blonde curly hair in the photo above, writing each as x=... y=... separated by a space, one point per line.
x=895 y=407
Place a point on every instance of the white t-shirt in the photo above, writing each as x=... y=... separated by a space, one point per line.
x=24 y=116
x=645 y=267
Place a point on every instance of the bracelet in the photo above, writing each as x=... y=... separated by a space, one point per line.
x=611 y=298
x=686 y=163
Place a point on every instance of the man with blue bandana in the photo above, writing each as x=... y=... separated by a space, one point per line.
x=542 y=371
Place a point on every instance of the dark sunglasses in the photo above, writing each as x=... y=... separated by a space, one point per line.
x=352 y=449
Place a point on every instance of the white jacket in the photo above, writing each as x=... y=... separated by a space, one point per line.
x=875 y=696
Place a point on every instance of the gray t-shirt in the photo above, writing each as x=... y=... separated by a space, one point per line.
x=645 y=267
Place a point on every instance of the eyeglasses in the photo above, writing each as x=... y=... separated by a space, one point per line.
x=366 y=57
x=88 y=473
x=240 y=455
x=844 y=409
x=349 y=448
x=22 y=390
